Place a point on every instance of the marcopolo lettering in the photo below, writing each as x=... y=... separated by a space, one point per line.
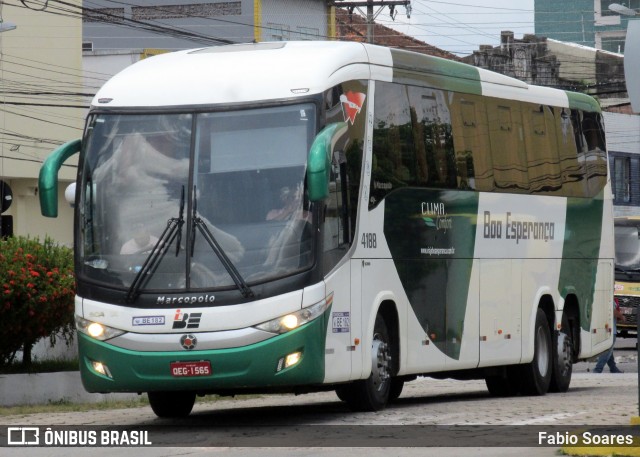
x=185 y=300
x=492 y=228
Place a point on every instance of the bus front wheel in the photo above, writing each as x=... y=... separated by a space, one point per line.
x=172 y=404
x=372 y=394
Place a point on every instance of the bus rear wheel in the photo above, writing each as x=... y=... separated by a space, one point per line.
x=372 y=394
x=562 y=358
x=535 y=377
x=172 y=404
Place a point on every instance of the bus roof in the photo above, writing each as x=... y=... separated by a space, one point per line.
x=281 y=70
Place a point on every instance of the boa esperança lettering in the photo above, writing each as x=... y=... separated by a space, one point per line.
x=516 y=230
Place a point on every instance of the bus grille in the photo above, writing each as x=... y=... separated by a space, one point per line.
x=629 y=301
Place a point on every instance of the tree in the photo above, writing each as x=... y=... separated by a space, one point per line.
x=38 y=289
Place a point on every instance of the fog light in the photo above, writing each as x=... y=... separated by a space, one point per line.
x=292 y=359
x=101 y=368
x=289 y=361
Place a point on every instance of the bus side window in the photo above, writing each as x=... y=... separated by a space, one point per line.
x=433 y=138
x=596 y=163
x=394 y=160
x=507 y=145
x=542 y=152
x=336 y=213
x=570 y=165
x=471 y=142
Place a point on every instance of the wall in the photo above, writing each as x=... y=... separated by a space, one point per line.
x=41 y=55
x=623 y=141
x=578 y=62
x=526 y=59
x=298 y=19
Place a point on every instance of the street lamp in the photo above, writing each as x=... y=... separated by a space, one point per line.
x=621 y=9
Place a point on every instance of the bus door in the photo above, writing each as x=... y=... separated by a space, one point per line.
x=344 y=285
x=602 y=308
x=500 y=311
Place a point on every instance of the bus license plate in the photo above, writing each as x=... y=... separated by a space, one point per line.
x=190 y=369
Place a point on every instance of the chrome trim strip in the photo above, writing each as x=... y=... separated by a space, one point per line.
x=159 y=342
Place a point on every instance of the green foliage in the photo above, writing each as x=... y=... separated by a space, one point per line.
x=37 y=295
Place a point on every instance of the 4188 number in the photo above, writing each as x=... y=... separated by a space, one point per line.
x=369 y=241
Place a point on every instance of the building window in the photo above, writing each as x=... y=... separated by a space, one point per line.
x=87 y=46
x=621 y=180
x=613 y=42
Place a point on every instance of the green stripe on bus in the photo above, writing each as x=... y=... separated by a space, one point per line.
x=583 y=102
x=431 y=236
x=423 y=70
x=580 y=253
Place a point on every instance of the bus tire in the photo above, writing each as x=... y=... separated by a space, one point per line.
x=535 y=377
x=372 y=394
x=172 y=404
x=395 y=390
x=562 y=358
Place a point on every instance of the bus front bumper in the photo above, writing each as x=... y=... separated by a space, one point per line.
x=107 y=368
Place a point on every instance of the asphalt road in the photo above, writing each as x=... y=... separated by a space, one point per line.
x=418 y=424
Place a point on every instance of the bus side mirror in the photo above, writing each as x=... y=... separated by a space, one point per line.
x=48 y=180
x=319 y=163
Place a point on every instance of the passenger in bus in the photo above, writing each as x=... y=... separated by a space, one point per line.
x=284 y=246
x=291 y=204
x=141 y=242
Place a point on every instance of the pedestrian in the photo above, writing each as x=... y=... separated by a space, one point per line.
x=608 y=358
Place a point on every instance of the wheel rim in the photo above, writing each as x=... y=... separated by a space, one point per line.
x=543 y=352
x=381 y=363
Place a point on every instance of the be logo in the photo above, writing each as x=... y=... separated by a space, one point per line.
x=186 y=320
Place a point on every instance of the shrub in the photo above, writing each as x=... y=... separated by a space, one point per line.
x=37 y=296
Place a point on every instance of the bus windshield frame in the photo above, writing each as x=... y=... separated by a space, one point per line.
x=195 y=201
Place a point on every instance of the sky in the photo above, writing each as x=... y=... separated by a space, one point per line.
x=460 y=26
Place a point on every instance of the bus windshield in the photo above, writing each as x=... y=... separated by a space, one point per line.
x=195 y=200
x=627 y=245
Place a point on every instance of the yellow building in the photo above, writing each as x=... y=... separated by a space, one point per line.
x=41 y=108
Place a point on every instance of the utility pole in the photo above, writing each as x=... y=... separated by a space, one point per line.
x=372 y=13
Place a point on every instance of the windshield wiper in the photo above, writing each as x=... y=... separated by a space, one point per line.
x=244 y=288
x=172 y=231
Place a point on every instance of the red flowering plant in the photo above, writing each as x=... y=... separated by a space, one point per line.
x=36 y=296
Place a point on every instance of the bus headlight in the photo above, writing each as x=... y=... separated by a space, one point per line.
x=294 y=320
x=95 y=330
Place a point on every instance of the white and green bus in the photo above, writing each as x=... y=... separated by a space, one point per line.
x=297 y=217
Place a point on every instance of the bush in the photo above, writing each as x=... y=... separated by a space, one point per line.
x=37 y=301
